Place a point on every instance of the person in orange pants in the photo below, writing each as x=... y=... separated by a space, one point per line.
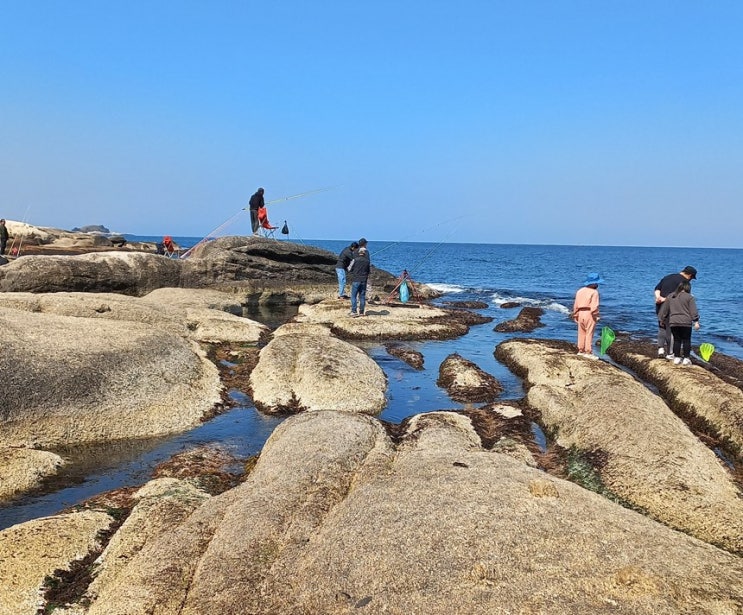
x=586 y=313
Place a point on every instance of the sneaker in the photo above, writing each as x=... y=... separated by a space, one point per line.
x=345 y=297
x=590 y=355
x=670 y=357
x=661 y=352
x=353 y=314
x=686 y=361
x=581 y=354
x=677 y=361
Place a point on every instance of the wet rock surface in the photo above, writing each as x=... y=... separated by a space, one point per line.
x=464 y=381
x=405 y=353
x=528 y=319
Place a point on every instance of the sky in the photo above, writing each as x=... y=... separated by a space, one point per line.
x=530 y=122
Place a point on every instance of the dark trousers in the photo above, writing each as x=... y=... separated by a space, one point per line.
x=254 y=220
x=681 y=341
x=2 y=246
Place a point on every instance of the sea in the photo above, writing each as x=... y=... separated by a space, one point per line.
x=544 y=276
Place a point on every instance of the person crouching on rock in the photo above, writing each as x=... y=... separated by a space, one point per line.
x=586 y=313
x=359 y=271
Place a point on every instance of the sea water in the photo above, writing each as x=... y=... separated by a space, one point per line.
x=530 y=275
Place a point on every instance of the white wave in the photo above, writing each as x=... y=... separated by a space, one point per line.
x=447 y=288
x=546 y=304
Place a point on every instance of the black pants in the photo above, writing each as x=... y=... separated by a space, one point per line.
x=2 y=246
x=254 y=220
x=681 y=340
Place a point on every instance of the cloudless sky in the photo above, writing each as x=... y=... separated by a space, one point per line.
x=534 y=121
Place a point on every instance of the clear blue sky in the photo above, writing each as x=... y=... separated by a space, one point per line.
x=560 y=122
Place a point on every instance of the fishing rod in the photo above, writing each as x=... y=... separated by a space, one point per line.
x=229 y=222
x=295 y=196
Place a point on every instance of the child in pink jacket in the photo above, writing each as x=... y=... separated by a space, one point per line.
x=586 y=313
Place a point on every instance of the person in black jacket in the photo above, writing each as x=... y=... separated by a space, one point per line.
x=663 y=289
x=360 y=268
x=344 y=261
x=256 y=202
x=3 y=236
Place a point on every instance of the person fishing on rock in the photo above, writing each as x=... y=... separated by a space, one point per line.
x=256 y=202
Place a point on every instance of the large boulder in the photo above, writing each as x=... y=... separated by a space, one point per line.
x=307 y=371
x=69 y=380
x=265 y=270
x=134 y=273
x=648 y=456
x=335 y=518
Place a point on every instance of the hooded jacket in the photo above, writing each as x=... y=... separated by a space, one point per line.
x=679 y=310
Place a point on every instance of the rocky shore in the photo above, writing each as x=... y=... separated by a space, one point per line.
x=633 y=505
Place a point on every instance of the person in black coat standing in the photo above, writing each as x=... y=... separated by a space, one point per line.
x=3 y=236
x=344 y=261
x=360 y=268
x=256 y=202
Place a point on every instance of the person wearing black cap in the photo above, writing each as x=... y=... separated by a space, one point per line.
x=256 y=202
x=663 y=289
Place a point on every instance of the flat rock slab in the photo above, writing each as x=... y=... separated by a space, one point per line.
x=383 y=322
x=465 y=382
x=304 y=371
x=335 y=519
x=692 y=391
x=198 y=314
x=650 y=457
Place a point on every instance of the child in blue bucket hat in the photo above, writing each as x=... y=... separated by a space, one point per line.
x=586 y=314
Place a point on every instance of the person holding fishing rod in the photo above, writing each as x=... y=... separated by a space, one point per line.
x=256 y=202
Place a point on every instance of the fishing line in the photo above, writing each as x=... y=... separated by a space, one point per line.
x=428 y=254
x=296 y=196
x=212 y=235
x=447 y=221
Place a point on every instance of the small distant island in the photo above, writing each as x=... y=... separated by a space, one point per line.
x=90 y=228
